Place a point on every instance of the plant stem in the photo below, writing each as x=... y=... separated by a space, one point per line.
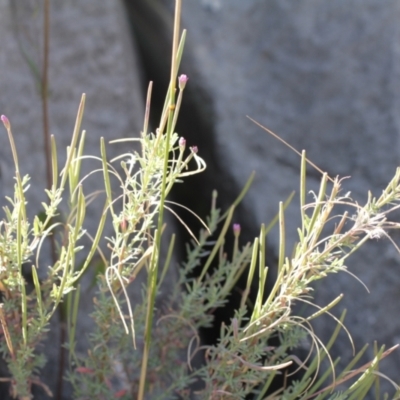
x=49 y=178
x=153 y=271
x=44 y=91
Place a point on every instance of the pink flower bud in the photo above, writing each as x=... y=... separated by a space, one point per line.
x=182 y=81
x=182 y=142
x=236 y=229
x=6 y=122
x=123 y=225
x=194 y=149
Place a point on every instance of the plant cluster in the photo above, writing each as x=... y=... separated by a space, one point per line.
x=153 y=350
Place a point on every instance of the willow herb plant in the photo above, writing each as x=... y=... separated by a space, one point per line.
x=143 y=351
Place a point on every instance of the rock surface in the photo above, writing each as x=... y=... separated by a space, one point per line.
x=322 y=75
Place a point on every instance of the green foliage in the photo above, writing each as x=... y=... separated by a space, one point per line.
x=150 y=349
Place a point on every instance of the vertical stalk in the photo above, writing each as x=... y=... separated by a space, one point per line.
x=303 y=190
x=153 y=270
x=282 y=237
x=45 y=89
x=49 y=178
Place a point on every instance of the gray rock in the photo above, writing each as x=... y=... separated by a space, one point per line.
x=323 y=75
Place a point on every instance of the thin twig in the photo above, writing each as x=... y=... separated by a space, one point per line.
x=49 y=179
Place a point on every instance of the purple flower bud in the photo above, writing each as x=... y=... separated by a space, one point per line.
x=182 y=142
x=182 y=81
x=194 y=149
x=6 y=122
x=236 y=229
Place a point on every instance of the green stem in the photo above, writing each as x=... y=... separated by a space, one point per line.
x=153 y=271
